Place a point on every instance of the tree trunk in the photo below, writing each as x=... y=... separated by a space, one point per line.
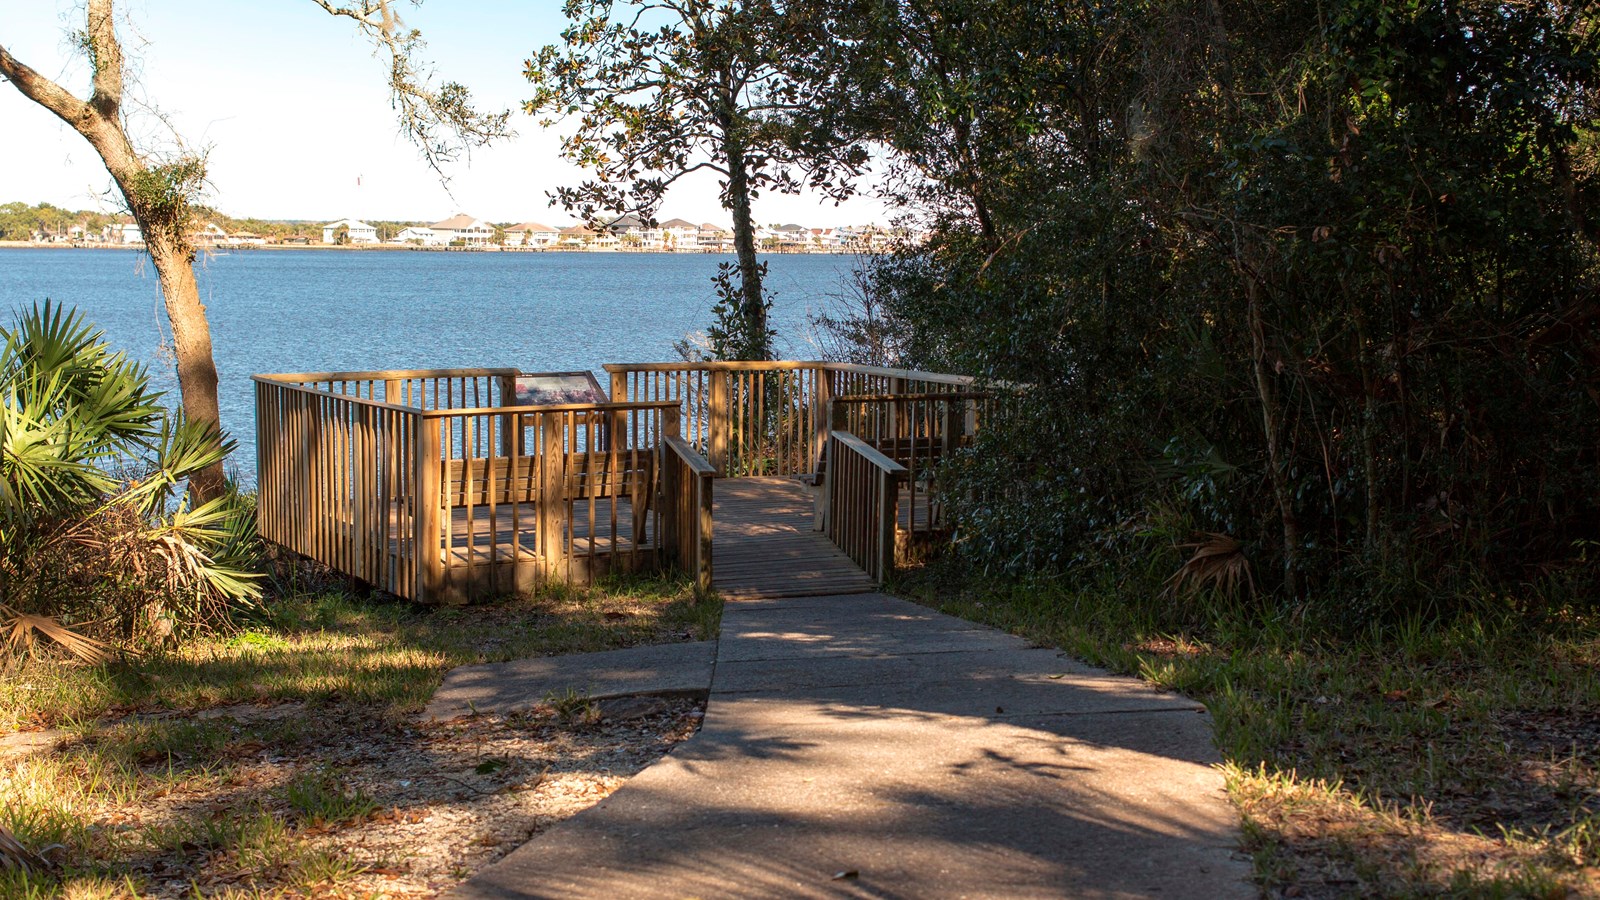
x=160 y=208
x=1271 y=422
x=752 y=307
x=191 y=339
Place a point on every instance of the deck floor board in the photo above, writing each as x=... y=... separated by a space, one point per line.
x=765 y=546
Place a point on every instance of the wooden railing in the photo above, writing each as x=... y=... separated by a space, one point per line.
x=417 y=388
x=764 y=418
x=446 y=504
x=918 y=431
x=686 y=500
x=338 y=481
x=533 y=494
x=863 y=489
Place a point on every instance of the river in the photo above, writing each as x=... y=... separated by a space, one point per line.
x=319 y=310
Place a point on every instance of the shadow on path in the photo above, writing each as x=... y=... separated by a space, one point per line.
x=863 y=746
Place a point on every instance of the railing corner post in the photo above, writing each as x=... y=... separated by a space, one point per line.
x=888 y=524
x=703 y=562
x=718 y=455
x=429 y=543
x=822 y=414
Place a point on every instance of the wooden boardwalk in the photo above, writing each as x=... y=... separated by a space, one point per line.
x=764 y=545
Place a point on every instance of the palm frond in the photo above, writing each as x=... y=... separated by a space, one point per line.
x=16 y=855
x=1218 y=563
x=22 y=632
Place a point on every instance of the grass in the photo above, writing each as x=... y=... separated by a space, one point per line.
x=332 y=648
x=1423 y=759
x=222 y=760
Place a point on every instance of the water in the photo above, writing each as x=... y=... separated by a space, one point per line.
x=319 y=310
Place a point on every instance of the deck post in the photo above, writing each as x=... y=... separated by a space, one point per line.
x=510 y=435
x=618 y=425
x=360 y=524
x=552 y=491
x=428 y=544
x=821 y=414
x=702 y=569
x=719 y=420
x=888 y=522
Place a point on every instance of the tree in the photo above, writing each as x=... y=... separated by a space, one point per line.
x=160 y=188
x=1318 y=276
x=661 y=89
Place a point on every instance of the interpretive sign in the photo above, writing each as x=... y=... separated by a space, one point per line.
x=555 y=388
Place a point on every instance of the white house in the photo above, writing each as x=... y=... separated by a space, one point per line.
x=358 y=232
x=464 y=228
x=209 y=234
x=679 y=234
x=633 y=234
x=532 y=234
x=713 y=237
x=123 y=233
x=416 y=234
x=791 y=236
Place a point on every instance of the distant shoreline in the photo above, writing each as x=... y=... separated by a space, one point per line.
x=371 y=248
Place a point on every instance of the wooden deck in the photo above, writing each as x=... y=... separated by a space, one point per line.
x=765 y=545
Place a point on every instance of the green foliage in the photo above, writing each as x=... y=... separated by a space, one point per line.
x=1318 y=277
x=661 y=89
x=161 y=197
x=20 y=222
x=733 y=334
x=95 y=530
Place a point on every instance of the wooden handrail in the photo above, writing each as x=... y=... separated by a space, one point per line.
x=870 y=453
x=535 y=410
x=686 y=486
x=863 y=489
x=693 y=460
x=898 y=398
x=292 y=377
x=758 y=365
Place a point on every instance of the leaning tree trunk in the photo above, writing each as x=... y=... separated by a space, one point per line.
x=158 y=200
x=191 y=339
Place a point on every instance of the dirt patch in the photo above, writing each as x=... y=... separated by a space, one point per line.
x=341 y=804
x=18 y=744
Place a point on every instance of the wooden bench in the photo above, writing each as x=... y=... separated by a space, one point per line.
x=623 y=475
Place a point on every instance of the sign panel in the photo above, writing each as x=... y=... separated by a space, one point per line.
x=555 y=388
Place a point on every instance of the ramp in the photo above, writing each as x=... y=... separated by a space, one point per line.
x=765 y=546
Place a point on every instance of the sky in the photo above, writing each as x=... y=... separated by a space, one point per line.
x=293 y=107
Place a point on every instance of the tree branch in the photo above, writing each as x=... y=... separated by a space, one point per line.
x=45 y=92
x=105 y=56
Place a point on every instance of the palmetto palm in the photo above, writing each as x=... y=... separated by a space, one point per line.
x=93 y=524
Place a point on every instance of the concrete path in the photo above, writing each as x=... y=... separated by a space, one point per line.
x=863 y=746
x=517 y=685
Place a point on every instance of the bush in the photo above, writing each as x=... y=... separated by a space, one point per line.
x=98 y=541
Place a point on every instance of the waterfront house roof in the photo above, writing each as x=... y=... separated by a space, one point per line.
x=352 y=224
x=678 y=223
x=577 y=230
x=625 y=222
x=791 y=228
x=458 y=222
x=529 y=226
